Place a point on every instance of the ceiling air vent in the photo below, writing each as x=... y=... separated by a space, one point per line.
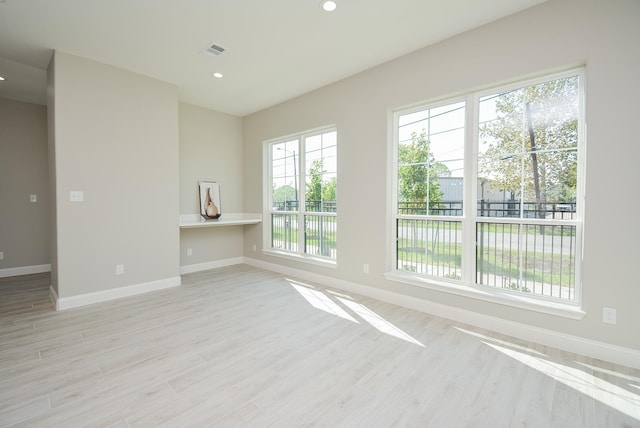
x=213 y=50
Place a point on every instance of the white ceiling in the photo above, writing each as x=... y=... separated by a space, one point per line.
x=275 y=49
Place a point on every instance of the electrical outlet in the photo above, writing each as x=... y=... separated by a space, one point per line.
x=33 y=198
x=76 y=196
x=254 y=248
x=189 y=252
x=119 y=269
x=609 y=315
x=365 y=268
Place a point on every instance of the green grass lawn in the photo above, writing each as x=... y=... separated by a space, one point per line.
x=538 y=267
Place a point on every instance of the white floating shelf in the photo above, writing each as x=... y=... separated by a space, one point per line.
x=226 y=219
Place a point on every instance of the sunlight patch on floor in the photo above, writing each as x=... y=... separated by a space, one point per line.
x=624 y=401
x=612 y=373
x=322 y=301
x=377 y=321
x=500 y=341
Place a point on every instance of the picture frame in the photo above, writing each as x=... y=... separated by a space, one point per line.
x=210 y=208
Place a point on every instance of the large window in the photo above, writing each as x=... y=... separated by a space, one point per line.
x=302 y=195
x=488 y=189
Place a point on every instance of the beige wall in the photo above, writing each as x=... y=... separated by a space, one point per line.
x=211 y=150
x=555 y=35
x=116 y=139
x=24 y=225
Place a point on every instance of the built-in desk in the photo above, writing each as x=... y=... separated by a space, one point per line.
x=226 y=219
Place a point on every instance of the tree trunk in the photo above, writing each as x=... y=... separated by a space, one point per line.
x=534 y=160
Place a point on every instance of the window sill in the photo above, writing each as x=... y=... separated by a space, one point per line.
x=302 y=258
x=564 y=310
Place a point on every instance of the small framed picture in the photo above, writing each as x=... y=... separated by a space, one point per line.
x=209 y=200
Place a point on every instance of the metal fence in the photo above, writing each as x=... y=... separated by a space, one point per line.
x=310 y=206
x=429 y=247
x=514 y=209
x=319 y=234
x=529 y=258
x=537 y=259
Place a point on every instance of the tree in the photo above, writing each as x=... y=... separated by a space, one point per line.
x=284 y=193
x=283 y=196
x=532 y=143
x=418 y=172
x=319 y=191
x=329 y=190
x=314 y=181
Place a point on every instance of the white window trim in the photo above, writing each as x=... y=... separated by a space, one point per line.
x=297 y=256
x=467 y=287
x=304 y=258
x=489 y=294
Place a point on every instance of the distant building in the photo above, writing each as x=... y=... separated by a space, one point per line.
x=452 y=189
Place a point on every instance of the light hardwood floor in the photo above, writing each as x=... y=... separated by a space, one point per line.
x=245 y=347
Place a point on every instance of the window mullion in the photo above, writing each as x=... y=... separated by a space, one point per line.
x=302 y=204
x=470 y=191
x=392 y=235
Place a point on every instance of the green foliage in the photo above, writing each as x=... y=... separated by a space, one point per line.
x=418 y=172
x=314 y=181
x=284 y=193
x=548 y=112
x=317 y=188
x=329 y=190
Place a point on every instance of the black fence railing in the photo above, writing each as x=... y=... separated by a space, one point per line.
x=310 y=206
x=531 y=258
x=543 y=210
x=447 y=208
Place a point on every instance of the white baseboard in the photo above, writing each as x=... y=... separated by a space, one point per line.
x=211 y=265
x=24 y=270
x=62 y=303
x=54 y=296
x=591 y=348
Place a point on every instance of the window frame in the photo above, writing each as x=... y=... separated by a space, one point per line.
x=300 y=254
x=468 y=285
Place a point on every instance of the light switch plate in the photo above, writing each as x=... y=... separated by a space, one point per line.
x=76 y=196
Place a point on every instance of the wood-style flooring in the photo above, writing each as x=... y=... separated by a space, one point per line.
x=244 y=347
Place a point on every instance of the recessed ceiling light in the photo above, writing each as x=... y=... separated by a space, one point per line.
x=218 y=75
x=329 y=5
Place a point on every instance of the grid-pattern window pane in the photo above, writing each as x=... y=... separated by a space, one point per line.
x=321 y=172
x=430 y=161
x=284 y=175
x=320 y=235
x=284 y=231
x=536 y=259
x=303 y=194
x=430 y=247
x=528 y=151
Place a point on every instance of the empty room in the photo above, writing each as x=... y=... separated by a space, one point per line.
x=319 y=213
